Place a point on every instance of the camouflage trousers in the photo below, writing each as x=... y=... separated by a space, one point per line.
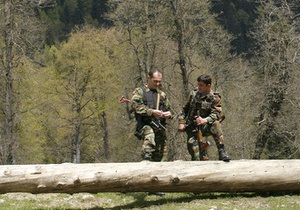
x=214 y=130
x=155 y=143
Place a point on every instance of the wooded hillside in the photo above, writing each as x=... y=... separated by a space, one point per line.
x=66 y=63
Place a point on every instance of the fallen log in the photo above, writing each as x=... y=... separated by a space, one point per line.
x=145 y=176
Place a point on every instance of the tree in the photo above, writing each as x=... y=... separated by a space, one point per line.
x=7 y=63
x=140 y=20
x=60 y=17
x=197 y=34
x=80 y=95
x=77 y=71
x=20 y=39
x=182 y=38
x=238 y=17
x=278 y=44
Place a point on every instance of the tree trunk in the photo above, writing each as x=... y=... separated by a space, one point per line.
x=105 y=136
x=265 y=131
x=181 y=49
x=178 y=176
x=77 y=141
x=8 y=65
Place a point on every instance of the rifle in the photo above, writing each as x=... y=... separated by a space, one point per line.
x=202 y=145
x=157 y=124
x=156 y=121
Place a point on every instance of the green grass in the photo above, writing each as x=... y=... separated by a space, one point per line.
x=171 y=201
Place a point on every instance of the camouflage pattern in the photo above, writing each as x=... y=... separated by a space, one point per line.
x=209 y=107
x=154 y=145
x=214 y=130
x=140 y=108
x=154 y=139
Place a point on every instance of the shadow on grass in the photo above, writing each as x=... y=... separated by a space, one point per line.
x=140 y=200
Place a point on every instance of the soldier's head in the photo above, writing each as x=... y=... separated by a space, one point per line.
x=154 y=79
x=204 y=83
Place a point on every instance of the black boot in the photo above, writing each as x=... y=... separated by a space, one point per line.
x=222 y=154
x=146 y=156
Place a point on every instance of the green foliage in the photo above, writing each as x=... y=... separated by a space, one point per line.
x=85 y=80
x=29 y=128
x=66 y=90
x=60 y=20
x=238 y=17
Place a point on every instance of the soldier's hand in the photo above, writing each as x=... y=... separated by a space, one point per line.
x=181 y=127
x=166 y=115
x=201 y=121
x=157 y=113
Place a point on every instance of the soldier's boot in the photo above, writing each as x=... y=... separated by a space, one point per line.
x=222 y=154
x=146 y=156
x=204 y=155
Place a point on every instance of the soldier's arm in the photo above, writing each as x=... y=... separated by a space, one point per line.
x=216 y=109
x=168 y=113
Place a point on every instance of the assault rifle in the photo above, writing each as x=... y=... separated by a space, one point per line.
x=202 y=145
x=154 y=121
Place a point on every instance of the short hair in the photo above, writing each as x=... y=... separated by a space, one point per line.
x=151 y=72
x=206 y=79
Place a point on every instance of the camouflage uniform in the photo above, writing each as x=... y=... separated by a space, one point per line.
x=154 y=138
x=208 y=106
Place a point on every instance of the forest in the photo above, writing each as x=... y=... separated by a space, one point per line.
x=66 y=63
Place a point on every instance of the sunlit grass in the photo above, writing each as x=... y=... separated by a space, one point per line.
x=142 y=200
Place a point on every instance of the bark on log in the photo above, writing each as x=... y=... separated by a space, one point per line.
x=177 y=176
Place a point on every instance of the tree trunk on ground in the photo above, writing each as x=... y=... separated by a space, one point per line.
x=178 y=176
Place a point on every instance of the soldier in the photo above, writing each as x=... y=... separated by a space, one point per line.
x=151 y=108
x=203 y=113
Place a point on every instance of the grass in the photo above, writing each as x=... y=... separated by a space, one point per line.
x=171 y=201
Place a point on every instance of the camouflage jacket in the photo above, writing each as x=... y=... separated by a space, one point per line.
x=206 y=105
x=142 y=107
